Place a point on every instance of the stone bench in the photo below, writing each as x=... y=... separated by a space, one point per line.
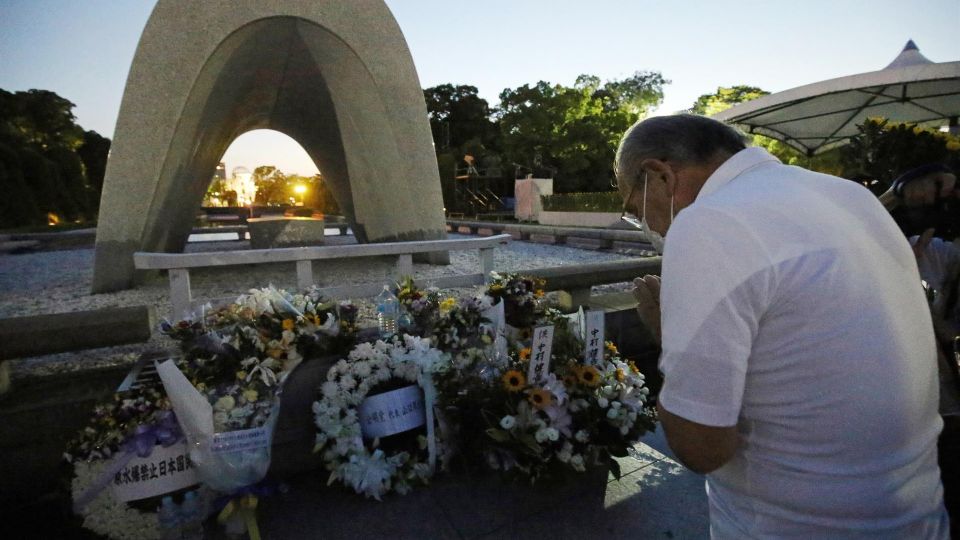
x=178 y=265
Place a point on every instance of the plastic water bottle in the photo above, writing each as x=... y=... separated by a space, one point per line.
x=168 y=519
x=192 y=517
x=405 y=322
x=387 y=311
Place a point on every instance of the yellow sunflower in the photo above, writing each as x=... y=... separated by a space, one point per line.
x=589 y=376
x=540 y=398
x=514 y=381
x=289 y=324
x=525 y=354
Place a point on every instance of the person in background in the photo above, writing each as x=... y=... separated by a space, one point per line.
x=926 y=193
x=797 y=347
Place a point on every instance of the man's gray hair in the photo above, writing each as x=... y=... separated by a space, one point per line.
x=682 y=138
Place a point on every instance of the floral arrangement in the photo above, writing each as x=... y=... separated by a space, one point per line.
x=361 y=462
x=463 y=327
x=237 y=358
x=287 y=326
x=521 y=297
x=117 y=428
x=423 y=306
x=238 y=355
x=577 y=415
x=113 y=422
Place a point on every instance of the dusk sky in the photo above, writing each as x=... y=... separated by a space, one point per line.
x=82 y=50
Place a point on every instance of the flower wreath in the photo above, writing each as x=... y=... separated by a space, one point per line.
x=113 y=430
x=373 y=471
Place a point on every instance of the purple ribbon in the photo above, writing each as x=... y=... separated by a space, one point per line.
x=164 y=432
x=145 y=437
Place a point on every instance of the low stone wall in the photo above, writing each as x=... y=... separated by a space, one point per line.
x=37 y=335
x=578 y=219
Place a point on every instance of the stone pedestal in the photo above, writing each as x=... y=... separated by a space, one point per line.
x=273 y=232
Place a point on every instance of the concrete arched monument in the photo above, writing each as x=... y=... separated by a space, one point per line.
x=336 y=76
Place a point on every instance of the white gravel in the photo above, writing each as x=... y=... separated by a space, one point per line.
x=59 y=281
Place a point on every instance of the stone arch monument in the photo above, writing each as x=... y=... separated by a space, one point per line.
x=336 y=76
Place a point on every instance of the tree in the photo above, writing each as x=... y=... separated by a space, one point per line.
x=271 y=185
x=724 y=98
x=883 y=150
x=72 y=196
x=54 y=155
x=17 y=206
x=457 y=114
x=93 y=151
x=45 y=119
x=572 y=132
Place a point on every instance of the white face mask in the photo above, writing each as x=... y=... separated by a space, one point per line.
x=656 y=239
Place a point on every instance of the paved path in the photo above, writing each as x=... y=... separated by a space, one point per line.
x=656 y=498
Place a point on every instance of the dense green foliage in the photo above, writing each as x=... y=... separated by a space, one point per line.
x=569 y=133
x=49 y=166
x=724 y=98
x=601 y=201
x=882 y=150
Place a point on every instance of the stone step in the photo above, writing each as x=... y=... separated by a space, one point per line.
x=14 y=247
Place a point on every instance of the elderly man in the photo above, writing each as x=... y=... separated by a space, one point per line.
x=798 y=357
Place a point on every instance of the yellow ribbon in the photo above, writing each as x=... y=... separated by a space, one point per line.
x=246 y=508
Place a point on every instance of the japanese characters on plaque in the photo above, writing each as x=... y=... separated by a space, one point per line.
x=393 y=412
x=164 y=470
x=243 y=439
x=540 y=353
x=593 y=337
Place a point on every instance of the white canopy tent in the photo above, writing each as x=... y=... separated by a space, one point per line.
x=817 y=117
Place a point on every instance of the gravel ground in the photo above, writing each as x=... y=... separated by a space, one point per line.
x=59 y=282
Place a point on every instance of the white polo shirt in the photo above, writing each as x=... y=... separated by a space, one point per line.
x=792 y=309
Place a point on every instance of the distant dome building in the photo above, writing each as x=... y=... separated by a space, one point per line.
x=241 y=182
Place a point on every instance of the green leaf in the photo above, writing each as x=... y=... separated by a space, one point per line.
x=498 y=435
x=530 y=442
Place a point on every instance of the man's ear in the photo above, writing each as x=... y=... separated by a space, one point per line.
x=660 y=171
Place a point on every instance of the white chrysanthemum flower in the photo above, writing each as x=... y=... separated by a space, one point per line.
x=582 y=436
x=347 y=383
x=362 y=369
x=225 y=403
x=576 y=461
x=329 y=389
x=507 y=422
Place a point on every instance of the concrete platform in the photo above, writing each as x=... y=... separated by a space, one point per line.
x=655 y=498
